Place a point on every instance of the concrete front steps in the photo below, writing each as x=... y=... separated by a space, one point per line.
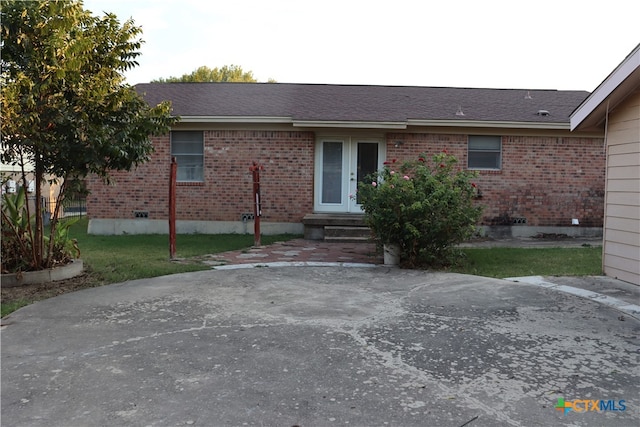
x=336 y=227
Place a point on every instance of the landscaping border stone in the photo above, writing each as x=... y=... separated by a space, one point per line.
x=73 y=269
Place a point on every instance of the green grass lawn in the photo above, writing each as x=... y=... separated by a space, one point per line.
x=517 y=262
x=11 y=306
x=113 y=259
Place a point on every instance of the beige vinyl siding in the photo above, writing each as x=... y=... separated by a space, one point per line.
x=622 y=237
x=621 y=252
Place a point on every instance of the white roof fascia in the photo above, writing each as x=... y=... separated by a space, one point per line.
x=373 y=125
x=234 y=119
x=349 y=124
x=489 y=124
x=602 y=92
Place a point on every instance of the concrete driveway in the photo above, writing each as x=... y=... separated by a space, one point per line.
x=319 y=346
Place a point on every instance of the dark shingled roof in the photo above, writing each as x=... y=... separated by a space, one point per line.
x=320 y=102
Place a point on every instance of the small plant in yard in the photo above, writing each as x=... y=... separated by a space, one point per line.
x=426 y=206
x=16 y=241
x=18 y=237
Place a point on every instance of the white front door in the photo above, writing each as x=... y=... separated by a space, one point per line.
x=340 y=164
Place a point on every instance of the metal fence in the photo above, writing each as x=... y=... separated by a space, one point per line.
x=76 y=207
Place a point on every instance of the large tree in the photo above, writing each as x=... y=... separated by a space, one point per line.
x=228 y=73
x=66 y=109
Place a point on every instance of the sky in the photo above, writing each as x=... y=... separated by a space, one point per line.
x=513 y=44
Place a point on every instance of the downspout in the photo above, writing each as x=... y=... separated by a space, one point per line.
x=606 y=185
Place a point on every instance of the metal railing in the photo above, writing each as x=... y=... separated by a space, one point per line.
x=75 y=207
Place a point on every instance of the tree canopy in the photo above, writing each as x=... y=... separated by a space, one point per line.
x=65 y=104
x=227 y=73
x=66 y=109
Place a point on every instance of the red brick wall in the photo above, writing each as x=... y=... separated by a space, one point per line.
x=545 y=180
x=226 y=193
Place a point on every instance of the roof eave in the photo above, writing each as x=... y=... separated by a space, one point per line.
x=355 y=124
x=348 y=124
x=490 y=124
x=235 y=119
x=588 y=114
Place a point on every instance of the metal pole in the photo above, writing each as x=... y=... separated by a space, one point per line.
x=257 y=210
x=172 y=208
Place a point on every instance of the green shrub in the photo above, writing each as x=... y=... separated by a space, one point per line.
x=424 y=206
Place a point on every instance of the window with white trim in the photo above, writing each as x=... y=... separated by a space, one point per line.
x=484 y=152
x=188 y=149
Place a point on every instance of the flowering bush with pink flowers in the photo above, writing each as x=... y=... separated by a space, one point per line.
x=426 y=206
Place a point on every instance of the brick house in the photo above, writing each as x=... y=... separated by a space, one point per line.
x=317 y=141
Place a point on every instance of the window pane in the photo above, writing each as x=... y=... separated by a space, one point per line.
x=186 y=136
x=189 y=168
x=188 y=149
x=332 y=172
x=483 y=143
x=179 y=147
x=484 y=152
x=367 y=161
x=484 y=160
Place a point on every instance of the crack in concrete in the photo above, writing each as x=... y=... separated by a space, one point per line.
x=395 y=363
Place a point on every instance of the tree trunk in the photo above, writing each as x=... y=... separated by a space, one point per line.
x=38 y=238
x=31 y=255
x=54 y=223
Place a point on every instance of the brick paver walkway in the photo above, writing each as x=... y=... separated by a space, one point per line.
x=300 y=250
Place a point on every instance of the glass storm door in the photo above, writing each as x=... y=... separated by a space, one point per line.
x=332 y=170
x=340 y=165
x=364 y=161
